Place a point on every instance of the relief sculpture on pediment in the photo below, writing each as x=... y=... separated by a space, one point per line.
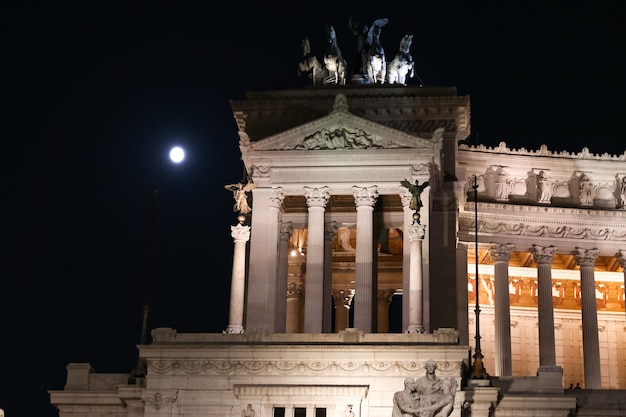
x=341 y=137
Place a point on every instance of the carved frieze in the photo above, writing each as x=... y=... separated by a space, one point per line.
x=221 y=367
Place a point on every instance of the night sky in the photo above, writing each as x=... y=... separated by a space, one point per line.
x=95 y=93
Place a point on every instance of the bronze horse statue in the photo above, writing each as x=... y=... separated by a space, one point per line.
x=335 y=64
x=402 y=64
x=310 y=66
x=376 y=64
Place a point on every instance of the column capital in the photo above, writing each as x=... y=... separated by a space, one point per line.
x=276 y=197
x=384 y=297
x=501 y=252
x=240 y=233
x=317 y=197
x=543 y=254
x=585 y=257
x=286 y=230
x=343 y=297
x=295 y=289
x=621 y=258
x=330 y=230
x=417 y=231
x=365 y=196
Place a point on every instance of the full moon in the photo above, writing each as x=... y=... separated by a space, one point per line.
x=177 y=154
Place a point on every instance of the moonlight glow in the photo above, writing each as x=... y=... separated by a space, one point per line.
x=177 y=154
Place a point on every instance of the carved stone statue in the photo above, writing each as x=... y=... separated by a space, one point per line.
x=428 y=396
x=434 y=396
x=585 y=189
x=544 y=193
x=620 y=192
x=402 y=65
x=241 y=198
x=248 y=411
x=404 y=404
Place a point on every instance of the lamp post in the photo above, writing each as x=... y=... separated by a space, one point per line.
x=177 y=156
x=478 y=368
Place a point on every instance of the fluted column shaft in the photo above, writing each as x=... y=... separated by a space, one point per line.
x=241 y=235
x=405 y=198
x=586 y=259
x=365 y=198
x=314 y=284
x=621 y=258
x=330 y=231
x=286 y=230
x=501 y=253
x=416 y=283
x=543 y=256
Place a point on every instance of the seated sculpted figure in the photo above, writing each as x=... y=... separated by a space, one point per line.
x=434 y=395
x=404 y=404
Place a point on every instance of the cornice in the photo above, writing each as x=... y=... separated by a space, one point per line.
x=502 y=148
x=544 y=213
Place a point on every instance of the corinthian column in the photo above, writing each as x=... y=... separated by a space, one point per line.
x=621 y=258
x=500 y=254
x=316 y=199
x=286 y=230
x=586 y=259
x=416 y=303
x=295 y=290
x=543 y=256
x=342 y=299
x=384 y=299
x=240 y=234
x=405 y=198
x=330 y=231
x=364 y=198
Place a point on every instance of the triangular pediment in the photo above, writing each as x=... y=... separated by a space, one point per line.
x=342 y=130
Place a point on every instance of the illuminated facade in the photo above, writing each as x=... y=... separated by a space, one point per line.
x=332 y=248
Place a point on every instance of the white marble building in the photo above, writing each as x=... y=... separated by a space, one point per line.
x=332 y=240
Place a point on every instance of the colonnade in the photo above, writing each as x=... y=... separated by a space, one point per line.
x=276 y=304
x=307 y=304
x=543 y=256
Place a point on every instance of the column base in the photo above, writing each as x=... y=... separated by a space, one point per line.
x=550 y=379
x=234 y=329
x=415 y=328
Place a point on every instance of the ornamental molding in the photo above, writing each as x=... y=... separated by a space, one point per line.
x=542 y=211
x=502 y=148
x=158 y=400
x=544 y=228
x=340 y=130
x=256 y=391
x=286 y=367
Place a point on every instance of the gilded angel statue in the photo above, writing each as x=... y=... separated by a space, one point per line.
x=415 y=189
x=241 y=198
